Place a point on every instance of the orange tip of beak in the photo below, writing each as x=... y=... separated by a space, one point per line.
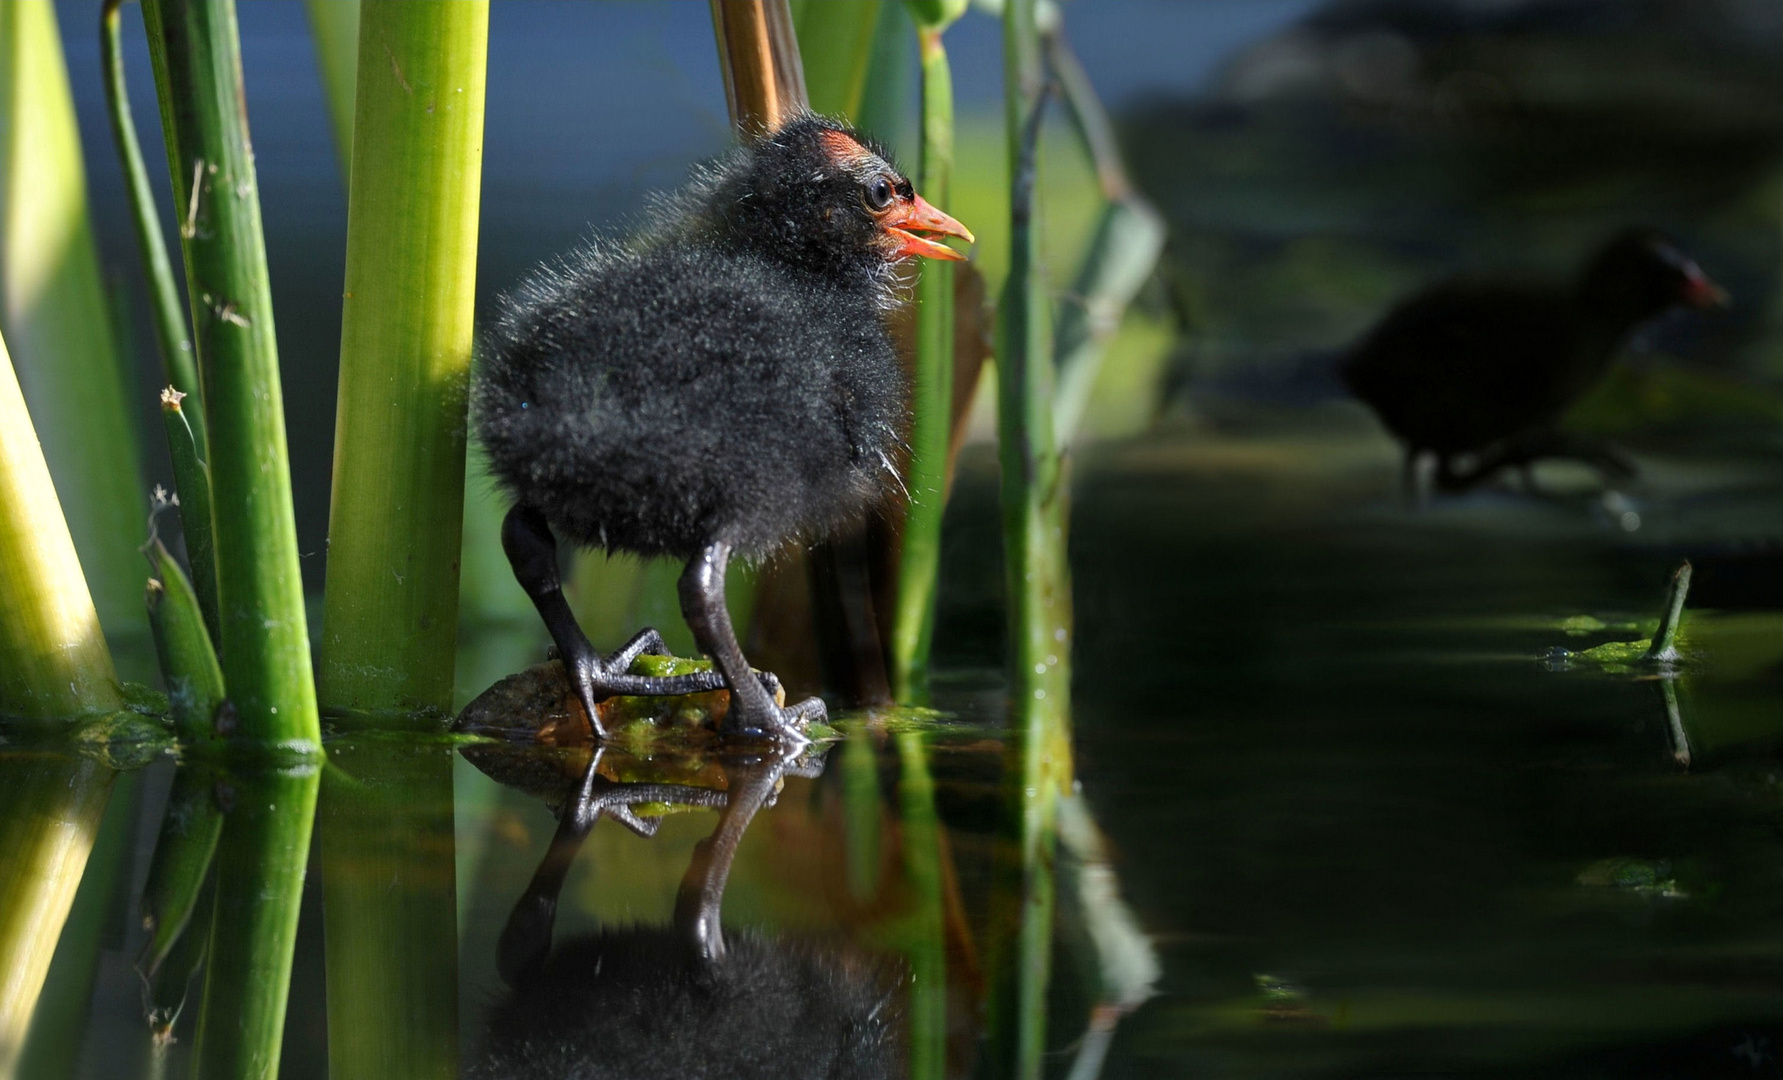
x=920 y=216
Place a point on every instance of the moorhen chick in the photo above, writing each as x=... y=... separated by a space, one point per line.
x=715 y=388
x=1487 y=368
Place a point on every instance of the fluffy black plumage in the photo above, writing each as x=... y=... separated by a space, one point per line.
x=724 y=375
x=1467 y=364
x=718 y=386
x=633 y=1004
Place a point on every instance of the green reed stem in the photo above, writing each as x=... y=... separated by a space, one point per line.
x=50 y=809
x=57 y=318
x=931 y=429
x=179 y=363
x=183 y=645
x=334 y=28
x=391 y=618
x=1665 y=637
x=1038 y=590
x=191 y=480
x=264 y=641
x=1128 y=240
x=53 y=659
x=390 y=893
x=260 y=864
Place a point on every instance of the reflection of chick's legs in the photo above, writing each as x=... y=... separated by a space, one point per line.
x=753 y=784
x=526 y=939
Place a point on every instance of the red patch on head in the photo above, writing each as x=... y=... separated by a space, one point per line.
x=844 y=150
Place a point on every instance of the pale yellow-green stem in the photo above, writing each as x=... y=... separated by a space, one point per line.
x=56 y=318
x=391 y=617
x=53 y=658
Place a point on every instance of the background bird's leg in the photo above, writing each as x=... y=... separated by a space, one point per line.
x=750 y=783
x=752 y=711
x=1410 y=479
x=532 y=551
x=526 y=939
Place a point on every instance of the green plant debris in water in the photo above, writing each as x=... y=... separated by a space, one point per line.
x=1650 y=877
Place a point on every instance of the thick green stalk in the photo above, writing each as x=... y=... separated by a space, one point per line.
x=264 y=642
x=191 y=481
x=391 y=618
x=260 y=863
x=835 y=41
x=931 y=428
x=390 y=896
x=50 y=809
x=179 y=363
x=53 y=659
x=334 y=28
x=1037 y=588
x=56 y=316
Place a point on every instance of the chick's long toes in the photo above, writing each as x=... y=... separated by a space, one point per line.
x=786 y=725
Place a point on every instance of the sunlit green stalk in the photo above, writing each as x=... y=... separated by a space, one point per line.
x=264 y=642
x=191 y=479
x=390 y=896
x=334 y=27
x=260 y=863
x=927 y=947
x=56 y=317
x=1037 y=590
x=178 y=361
x=391 y=617
x=50 y=809
x=53 y=659
x=931 y=428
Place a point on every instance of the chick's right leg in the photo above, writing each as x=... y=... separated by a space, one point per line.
x=752 y=712
x=532 y=551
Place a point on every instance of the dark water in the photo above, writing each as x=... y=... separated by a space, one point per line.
x=1370 y=821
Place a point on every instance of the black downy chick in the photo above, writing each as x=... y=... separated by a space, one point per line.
x=718 y=387
x=1487 y=368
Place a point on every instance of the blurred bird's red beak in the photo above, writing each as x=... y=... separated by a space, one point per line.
x=1700 y=291
x=905 y=221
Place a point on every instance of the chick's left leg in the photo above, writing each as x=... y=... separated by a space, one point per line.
x=752 y=712
x=532 y=551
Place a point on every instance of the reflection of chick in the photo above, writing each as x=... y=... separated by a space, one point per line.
x=691 y=1001
x=636 y=1004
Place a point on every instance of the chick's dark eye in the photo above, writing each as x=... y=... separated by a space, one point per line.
x=880 y=193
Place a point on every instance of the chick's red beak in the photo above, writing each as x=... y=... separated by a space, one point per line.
x=905 y=221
